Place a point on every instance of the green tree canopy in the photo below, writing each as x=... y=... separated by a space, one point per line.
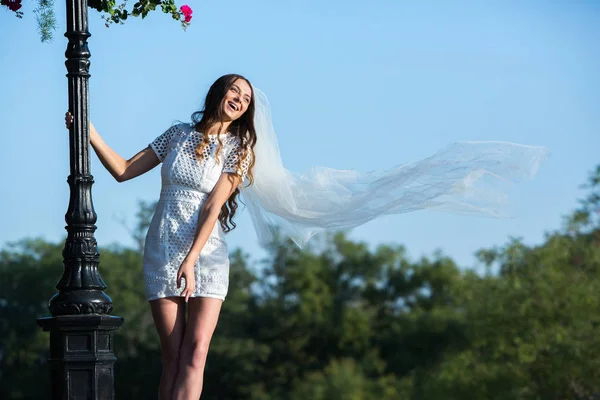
x=342 y=320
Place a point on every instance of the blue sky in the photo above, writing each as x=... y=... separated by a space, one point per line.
x=353 y=85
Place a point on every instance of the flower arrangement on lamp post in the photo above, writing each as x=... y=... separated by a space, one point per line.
x=111 y=12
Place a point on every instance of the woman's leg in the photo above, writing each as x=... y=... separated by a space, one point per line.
x=169 y=319
x=203 y=314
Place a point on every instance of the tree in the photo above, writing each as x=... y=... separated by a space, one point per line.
x=532 y=328
x=28 y=272
x=587 y=216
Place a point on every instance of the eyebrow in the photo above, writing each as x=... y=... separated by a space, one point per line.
x=238 y=88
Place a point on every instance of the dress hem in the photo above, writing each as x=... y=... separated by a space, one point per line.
x=206 y=295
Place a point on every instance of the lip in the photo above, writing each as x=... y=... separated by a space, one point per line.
x=232 y=106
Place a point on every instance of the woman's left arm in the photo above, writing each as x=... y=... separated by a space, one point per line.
x=208 y=217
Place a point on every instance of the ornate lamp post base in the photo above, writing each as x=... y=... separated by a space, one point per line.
x=81 y=355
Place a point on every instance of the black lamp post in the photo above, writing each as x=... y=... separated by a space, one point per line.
x=81 y=329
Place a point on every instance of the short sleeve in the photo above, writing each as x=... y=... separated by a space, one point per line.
x=232 y=160
x=161 y=143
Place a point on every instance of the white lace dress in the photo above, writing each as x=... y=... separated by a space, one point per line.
x=186 y=184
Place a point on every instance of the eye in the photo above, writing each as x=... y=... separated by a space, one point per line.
x=247 y=100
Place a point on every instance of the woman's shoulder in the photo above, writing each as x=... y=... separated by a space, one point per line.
x=182 y=127
x=178 y=129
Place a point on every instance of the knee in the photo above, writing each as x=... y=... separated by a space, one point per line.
x=170 y=358
x=194 y=354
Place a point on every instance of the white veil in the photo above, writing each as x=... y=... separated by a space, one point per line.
x=464 y=177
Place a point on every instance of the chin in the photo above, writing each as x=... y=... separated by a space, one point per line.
x=227 y=114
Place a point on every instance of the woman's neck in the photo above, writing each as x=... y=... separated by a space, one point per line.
x=214 y=128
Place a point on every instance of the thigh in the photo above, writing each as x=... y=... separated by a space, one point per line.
x=203 y=314
x=169 y=320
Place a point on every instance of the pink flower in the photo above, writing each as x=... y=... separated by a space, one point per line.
x=187 y=13
x=13 y=5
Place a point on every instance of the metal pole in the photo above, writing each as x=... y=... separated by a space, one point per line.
x=81 y=329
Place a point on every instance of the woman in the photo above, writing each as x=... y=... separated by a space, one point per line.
x=185 y=255
x=231 y=141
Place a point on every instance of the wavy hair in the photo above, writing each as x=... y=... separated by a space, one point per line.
x=243 y=128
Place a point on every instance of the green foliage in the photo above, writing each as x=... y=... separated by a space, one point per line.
x=46 y=19
x=344 y=321
x=587 y=216
x=111 y=12
x=344 y=380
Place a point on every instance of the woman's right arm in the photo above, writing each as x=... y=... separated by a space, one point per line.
x=121 y=169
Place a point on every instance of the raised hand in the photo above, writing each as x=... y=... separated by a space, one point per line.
x=68 y=119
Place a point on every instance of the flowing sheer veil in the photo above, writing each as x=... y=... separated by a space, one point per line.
x=464 y=177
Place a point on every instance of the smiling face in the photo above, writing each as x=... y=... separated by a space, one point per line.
x=228 y=106
x=236 y=100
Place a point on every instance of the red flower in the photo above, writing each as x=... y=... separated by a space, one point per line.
x=13 y=5
x=187 y=12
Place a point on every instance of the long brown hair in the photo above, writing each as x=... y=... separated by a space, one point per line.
x=243 y=128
